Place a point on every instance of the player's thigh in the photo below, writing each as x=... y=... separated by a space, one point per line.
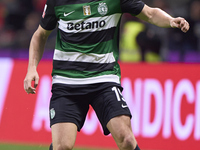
x=109 y=103
x=120 y=128
x=65 y=107
x=64 y=134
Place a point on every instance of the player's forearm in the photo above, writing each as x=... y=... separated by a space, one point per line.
x=36 y=49
x=155 y=16
x=160 y=18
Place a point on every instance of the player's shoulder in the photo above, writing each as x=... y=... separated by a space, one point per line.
x=59 y=2
x=51 y=2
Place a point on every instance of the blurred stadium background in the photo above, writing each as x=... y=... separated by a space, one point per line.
x=20 y=18
x=165 y=116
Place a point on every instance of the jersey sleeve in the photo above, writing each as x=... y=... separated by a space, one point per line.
x=133 y=7
x=49 y=19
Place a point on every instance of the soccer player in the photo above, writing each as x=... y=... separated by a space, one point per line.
x=85 y=68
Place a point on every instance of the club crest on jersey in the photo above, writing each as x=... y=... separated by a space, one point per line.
x=102 y=9
x=86 y=10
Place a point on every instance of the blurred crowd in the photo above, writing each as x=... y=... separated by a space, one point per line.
x=18 y=21
x=139 y=41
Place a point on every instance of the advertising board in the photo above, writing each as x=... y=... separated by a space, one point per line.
x=164 y=100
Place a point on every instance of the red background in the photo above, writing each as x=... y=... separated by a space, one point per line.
x=17 y=115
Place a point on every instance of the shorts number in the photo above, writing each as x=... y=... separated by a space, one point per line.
x=118 y=94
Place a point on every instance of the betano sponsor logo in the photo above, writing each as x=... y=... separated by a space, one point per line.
x=86 y=25
x=89 y=25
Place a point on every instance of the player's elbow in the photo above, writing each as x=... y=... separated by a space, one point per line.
x=149 y=14
x=152 y=13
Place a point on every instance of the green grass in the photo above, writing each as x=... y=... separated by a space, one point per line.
x=22 y=147
x=4 y=146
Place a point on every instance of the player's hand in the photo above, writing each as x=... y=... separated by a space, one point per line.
x=31 y=75
x=180 y=23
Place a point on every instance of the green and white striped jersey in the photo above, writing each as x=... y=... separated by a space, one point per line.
x=86 y=50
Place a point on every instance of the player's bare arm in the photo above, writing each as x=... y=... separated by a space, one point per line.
x=160 y=18
x=36 y=50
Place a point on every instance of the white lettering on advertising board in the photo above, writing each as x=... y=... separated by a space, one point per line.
x=138 y=94
x=167 y=107
x=6 y=66
x=41 y=114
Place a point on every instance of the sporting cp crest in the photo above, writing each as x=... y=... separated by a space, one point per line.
x=102 y=9
x=86 y=10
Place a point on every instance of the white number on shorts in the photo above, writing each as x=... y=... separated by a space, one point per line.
x=118 y=94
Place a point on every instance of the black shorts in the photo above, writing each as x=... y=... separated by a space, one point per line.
x=70 y=103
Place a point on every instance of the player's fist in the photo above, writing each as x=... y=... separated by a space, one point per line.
x=31 y=76
x=180 y=23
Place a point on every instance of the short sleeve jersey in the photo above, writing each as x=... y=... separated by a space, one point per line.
x=86 y=50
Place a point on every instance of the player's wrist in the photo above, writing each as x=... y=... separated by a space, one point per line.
x=172 y=22
x=32 y=68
